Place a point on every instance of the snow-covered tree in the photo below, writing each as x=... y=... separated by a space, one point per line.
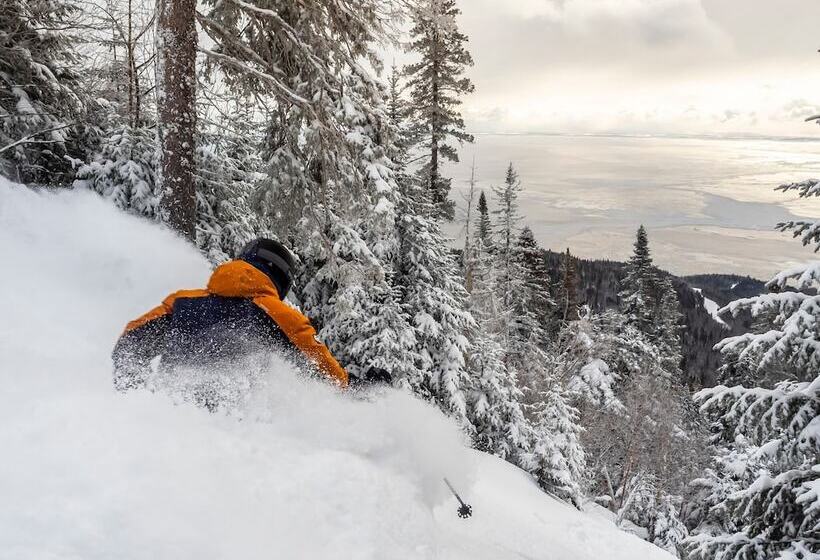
x=483 y=222
x=437 y=83
x=767 y=505
x=436 y=301
x=638 y=286
x=649 y=301
x=228 y=169
x=557 y=457
x=123 y=170
x=762 y=498
x=331 y=183
x=567 y=305
x=536 y=277
x=41 y=103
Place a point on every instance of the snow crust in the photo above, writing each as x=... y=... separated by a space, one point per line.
x=297 y=470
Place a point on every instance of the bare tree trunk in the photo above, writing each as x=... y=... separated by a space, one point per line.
x=176 y=66
x=129 y=49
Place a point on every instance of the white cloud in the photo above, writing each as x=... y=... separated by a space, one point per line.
x=666 y=66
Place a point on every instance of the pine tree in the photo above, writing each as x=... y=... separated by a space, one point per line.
x=506 y=231
x=650 y=302
x=638 y=286
x=537 y=279
x=567 y=308
x=557 y=459
x=483 y=223
x=123 y=170
x=437 y=83
x=41 y=102
x=760 y=500
x=228 y=168
x=766 y=506
x=436 y=302
x=332 y=172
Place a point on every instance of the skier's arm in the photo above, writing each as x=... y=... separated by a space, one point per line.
x=299 y=331
x=137 y=346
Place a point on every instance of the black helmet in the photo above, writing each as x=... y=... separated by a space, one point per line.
x=272 y=258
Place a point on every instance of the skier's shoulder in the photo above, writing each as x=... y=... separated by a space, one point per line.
x=169 y=301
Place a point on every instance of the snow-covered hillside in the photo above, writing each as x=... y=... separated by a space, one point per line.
x=712 y=307
x=299 y=470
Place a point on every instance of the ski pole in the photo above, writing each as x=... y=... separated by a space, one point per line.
x=465 y=510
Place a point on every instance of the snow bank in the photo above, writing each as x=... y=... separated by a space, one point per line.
x=298 y=471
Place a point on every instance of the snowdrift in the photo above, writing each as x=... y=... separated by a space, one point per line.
x=298 y=470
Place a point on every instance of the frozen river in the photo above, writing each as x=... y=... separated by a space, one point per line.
x=709 y=204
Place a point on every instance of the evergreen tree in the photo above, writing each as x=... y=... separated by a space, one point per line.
x=650 y=302
x=437 y=83
x=331 y=183
x=506 y=231
x=41 y=103
x=568 y=307
x=638 y=286
x=123 y=170
x=483 y=223
x=760 y=500
x=537 y=279
x=436 y=302
x=228 y=169
x=765 y=505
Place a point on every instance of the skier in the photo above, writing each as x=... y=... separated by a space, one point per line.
x=241 y=311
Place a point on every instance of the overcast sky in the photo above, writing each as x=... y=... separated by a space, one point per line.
x=644 y=66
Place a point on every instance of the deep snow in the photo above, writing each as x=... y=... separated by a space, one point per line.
x=297 y=470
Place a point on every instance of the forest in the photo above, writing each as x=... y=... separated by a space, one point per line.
x=227 y=120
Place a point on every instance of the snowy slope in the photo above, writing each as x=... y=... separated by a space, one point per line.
x=297 y=471
x=712 y=307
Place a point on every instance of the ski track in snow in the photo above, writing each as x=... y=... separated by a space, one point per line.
x=297 y=470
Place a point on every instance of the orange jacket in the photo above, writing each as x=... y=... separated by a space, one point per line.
x=238 y=279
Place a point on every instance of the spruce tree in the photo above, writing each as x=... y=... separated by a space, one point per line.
x=567 y=305
x=331 y=184
x=41 y=102
x=537 y=278
x=437 y=83
x=483 y=223
x=637 y=287
x=760 y=498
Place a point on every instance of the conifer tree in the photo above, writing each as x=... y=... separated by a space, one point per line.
x=760 y=499
x=650 y=302
x=567 y=306
x=483 y=223
x=41 y=102
x=436 y=302
x=123 y=170
x=638 y=286
x=437 y=83
x=537 y=278
x=331 y=182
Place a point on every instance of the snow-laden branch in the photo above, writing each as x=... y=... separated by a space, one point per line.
x=30 y=138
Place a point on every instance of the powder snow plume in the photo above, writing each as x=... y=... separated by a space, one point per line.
x=296 y=470
x=300 y=471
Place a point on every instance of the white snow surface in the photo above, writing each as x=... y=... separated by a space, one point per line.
x=712 y=307
x=297 y=470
